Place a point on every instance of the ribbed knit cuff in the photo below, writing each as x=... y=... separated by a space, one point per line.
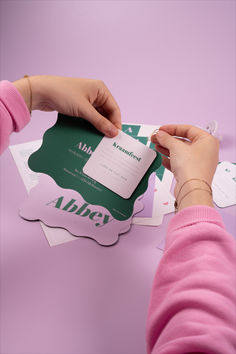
x=194 y=214
x=15 y=104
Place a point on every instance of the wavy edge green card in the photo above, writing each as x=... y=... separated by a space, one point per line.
x=65 y=149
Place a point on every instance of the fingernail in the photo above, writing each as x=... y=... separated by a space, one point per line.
x=153 y=138
x=112 y=131
x=160 y=133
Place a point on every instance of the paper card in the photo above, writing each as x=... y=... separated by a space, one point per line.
x=224 y=184
x=66 y=148
x=163 y=202
x=21 y=153
x=147 y=130
x=119 y=163
x=67 y=209
x=131 y=129
x=147 y=198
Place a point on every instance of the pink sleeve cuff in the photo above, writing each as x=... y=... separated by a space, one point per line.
x=14 y=104
x=14 y=114
x=190 y=216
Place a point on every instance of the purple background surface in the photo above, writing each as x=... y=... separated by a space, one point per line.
x=165 y=62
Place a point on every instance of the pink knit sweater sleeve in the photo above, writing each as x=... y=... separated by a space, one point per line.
x=14 y=114
x=193 y=299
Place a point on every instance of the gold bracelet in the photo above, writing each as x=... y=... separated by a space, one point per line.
x=193 y=179
x=177 y=204
x=30 y=90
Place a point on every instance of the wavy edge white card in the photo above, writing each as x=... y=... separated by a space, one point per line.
x=120 y=163
x=224 y=184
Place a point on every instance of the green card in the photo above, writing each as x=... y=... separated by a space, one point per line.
x=66 y=148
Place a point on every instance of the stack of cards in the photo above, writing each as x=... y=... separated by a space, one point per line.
x=93 y=186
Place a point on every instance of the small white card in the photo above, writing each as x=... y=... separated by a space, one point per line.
x=120 y=163
x=224 y=185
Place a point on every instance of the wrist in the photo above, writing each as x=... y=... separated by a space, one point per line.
x=23 y=87
x=30 y=89
x=193 y=192
x=192 y=182
x=37 y=91
x=43 y=89
x=196 y=197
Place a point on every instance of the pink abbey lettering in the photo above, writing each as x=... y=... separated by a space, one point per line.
x=84 y=148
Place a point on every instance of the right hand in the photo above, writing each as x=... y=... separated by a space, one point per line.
x=196 y=158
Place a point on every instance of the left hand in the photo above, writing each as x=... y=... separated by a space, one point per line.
x=86 y=98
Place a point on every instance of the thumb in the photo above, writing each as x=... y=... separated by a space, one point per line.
x=164 y=139
x=101 y=123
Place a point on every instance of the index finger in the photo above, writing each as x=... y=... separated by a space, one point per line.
x=184 y=130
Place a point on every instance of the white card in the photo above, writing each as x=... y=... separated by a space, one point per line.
x=119 y=163
x=224 y=185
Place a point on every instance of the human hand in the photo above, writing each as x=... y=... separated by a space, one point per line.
x=86 y=98
x=196 y=157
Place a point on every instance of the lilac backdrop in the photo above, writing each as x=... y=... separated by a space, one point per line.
x=164 y=61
